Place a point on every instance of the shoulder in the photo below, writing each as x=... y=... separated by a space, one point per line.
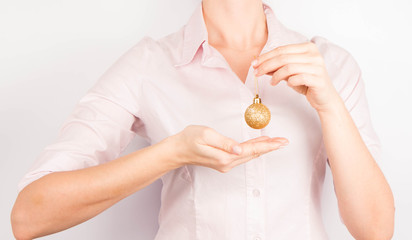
x=339 y=62
x=342 y=67
x=335 y=54
x=159 y=52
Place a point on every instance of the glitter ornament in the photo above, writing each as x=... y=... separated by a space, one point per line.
x=257 y=115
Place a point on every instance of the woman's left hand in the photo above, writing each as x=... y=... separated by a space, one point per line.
x=303 y=68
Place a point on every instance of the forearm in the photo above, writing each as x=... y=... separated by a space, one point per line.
x=364 y=197
x=61 y=200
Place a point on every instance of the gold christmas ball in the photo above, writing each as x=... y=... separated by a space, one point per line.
x=257 y=115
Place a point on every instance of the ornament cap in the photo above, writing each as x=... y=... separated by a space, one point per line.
x=257 y=99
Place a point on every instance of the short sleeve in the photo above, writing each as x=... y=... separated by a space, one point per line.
x=102 y=123
x=357 y=105
x=346 y=76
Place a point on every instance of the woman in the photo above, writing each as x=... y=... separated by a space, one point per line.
x=186 y=93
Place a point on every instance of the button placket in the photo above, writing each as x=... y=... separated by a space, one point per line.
x=254 y=174
x=255 y=203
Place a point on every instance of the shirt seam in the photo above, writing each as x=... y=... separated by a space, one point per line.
x=194 y=210
x=314 y=165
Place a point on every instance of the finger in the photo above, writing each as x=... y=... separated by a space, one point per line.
x=281 y=50
x=253 y=140
x=273 y=64
x=303 y=79
x=256 y=148
x=260 y=138
x=264 y=138
x=288 y=70
x=259 y=149
x=279 y=139
x=212 y=138
x=211 y=153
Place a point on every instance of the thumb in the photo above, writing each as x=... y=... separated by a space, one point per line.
x=217 y=140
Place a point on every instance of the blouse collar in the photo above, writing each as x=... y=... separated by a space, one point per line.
x=195 y=33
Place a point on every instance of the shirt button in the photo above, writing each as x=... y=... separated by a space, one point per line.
x=256 y=192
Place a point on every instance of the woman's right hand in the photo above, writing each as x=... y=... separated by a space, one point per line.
x=204 y=146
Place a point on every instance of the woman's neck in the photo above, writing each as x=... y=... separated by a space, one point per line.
x=235 y=24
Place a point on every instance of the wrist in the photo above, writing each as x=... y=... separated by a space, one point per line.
x=333 y=104
x=168 y=150
x=334 y=109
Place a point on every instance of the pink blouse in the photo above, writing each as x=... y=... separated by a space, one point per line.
x=160 y=86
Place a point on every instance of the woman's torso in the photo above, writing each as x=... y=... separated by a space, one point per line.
x=275 y=196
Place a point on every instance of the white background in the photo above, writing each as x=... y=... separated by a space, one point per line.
x=52 y=52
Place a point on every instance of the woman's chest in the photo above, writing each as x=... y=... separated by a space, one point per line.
x=216 y=98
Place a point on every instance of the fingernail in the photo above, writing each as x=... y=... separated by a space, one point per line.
x=284 y=142
x=237 y=149
x=254 y=62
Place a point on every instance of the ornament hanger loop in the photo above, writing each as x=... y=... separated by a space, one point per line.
x=257 y=115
